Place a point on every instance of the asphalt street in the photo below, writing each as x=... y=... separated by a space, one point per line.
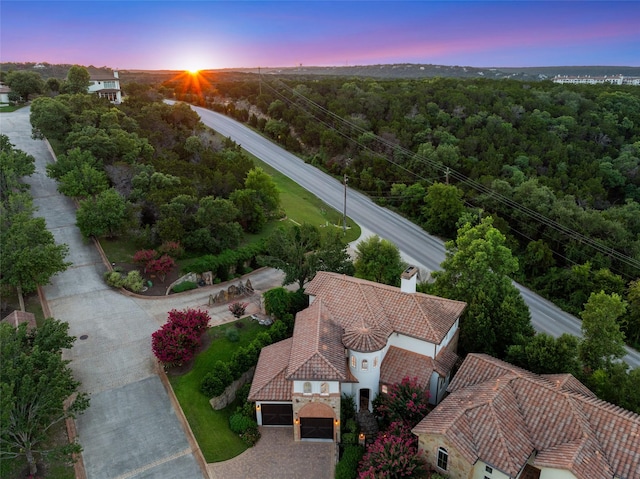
x=417 y=247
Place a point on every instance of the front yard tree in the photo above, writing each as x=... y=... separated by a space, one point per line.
x=14 y=164
x=442 y=208
x=29 y=254
x=103 y=215
x=35 y=382
x=476 y=270
x=603 y=341
x=378 y=260
x=25 y=83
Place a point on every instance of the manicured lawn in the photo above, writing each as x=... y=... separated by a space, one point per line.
x=9 y=108
x=210 y=427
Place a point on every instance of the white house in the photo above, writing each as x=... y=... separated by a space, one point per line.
x=4 y=94
x=356 y=337
x=106 y=86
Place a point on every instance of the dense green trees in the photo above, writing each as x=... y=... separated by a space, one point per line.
x=477 y=270
x=25 y=83
x=35 y=382
x=378 y=260
x=77 y=80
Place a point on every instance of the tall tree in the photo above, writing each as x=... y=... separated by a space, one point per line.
x=35 y=383
x=262 y=183
x=29 y=254
x=442 y=207
x=378 y=260
x=544 y=354
x=102 y=215
x=476 y=270
x=603 y=341
x=50 y=118
x=25 y=83
x=14 y=164
x=78 y=80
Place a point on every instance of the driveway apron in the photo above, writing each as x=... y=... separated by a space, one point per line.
x=130 y=429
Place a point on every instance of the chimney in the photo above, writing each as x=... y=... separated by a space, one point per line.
x=408 y=279
x=115 y=74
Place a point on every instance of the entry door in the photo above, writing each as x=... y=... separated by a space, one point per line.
x=316 y=428
x=364 y=399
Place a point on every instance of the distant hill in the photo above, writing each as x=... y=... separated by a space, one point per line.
x=384 y=71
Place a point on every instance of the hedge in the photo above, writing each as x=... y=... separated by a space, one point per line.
x=223 y=262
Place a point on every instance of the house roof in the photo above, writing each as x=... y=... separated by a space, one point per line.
x=369 y=312
x=501 y=414
x=269 y=381
x=399 y=363
x=16 y=318
x=102 y=77
x=317 y=352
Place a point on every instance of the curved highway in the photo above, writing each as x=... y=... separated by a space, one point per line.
x=415 y=244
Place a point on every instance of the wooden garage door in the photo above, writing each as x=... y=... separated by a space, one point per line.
x=316 y=428
x=277 y=414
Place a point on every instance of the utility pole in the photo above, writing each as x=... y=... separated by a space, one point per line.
x=260 y=80
x=344 y=213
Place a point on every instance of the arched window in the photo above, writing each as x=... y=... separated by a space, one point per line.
x=365 y=365
x=353 y=361
x=443 y=458
x=324 y=388
x=306 y=388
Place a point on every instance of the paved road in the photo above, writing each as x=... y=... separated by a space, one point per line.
x=416 y=246
x=130 y=430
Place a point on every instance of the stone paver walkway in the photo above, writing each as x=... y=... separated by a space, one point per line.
x=277 y=456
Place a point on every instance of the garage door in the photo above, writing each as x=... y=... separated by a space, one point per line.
x=277 y=414
x=316 y=428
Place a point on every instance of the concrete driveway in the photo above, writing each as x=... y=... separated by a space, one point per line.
x=131 y=429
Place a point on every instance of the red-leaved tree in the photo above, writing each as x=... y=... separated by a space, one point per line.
x=405 y=401
x=393 y=454
x=160 y=266
x=143 y=256
x=176 y=342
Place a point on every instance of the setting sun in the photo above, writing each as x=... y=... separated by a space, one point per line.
x=193 y=71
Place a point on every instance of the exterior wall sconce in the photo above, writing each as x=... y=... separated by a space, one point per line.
x=258 y=406
x=297 y=421
x=361 y=438
x=337 y=421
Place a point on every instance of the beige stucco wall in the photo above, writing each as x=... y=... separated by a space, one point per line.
x=549 y=473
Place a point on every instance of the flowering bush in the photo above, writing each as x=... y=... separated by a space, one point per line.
x=406 y=402
x=143 y=256
x=178 y=339
x=393 y=454
x=238 y=309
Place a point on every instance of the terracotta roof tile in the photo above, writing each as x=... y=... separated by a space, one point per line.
x=317 y=352
x=399 y=363
x=502 y=414
x=269 y=382
x=361 y=307
x=16 y=318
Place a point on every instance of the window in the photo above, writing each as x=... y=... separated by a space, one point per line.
x=365 y=364
x=306 y=388
x=488 y=469
x=443 y=458
x=324 y=388
x=353 y=361
x=110 y=84
x=384 y=389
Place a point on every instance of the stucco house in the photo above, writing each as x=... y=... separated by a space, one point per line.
x=4 y=94
x=357 y=337
x=500 y=421
x=106 y=86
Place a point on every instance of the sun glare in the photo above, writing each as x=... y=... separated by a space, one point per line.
x=193 y=71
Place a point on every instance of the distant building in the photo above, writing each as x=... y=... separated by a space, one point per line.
x=4 y=94
x=106 y=86
x=594 y=80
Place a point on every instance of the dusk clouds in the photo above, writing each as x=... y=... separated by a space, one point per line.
x=216 y=34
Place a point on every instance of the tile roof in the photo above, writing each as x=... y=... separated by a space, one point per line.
x=317 y=352
x=16 y=318
x=269 y=382
x=369 y=312
x=502 y=414
x=399 y=363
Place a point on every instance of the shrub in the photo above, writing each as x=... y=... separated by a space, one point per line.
x=114 y=279
x=171 y=248
x=133 y=281
x=250 y=436
x=211 y=385
x=160 y=266
x=394 y=453
x=238 y=309
x=406 y=402
x=347 y=467
x=239 y=423
x=232 y=335
x=143 y=256
x=184 y=286
x=178 y=339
